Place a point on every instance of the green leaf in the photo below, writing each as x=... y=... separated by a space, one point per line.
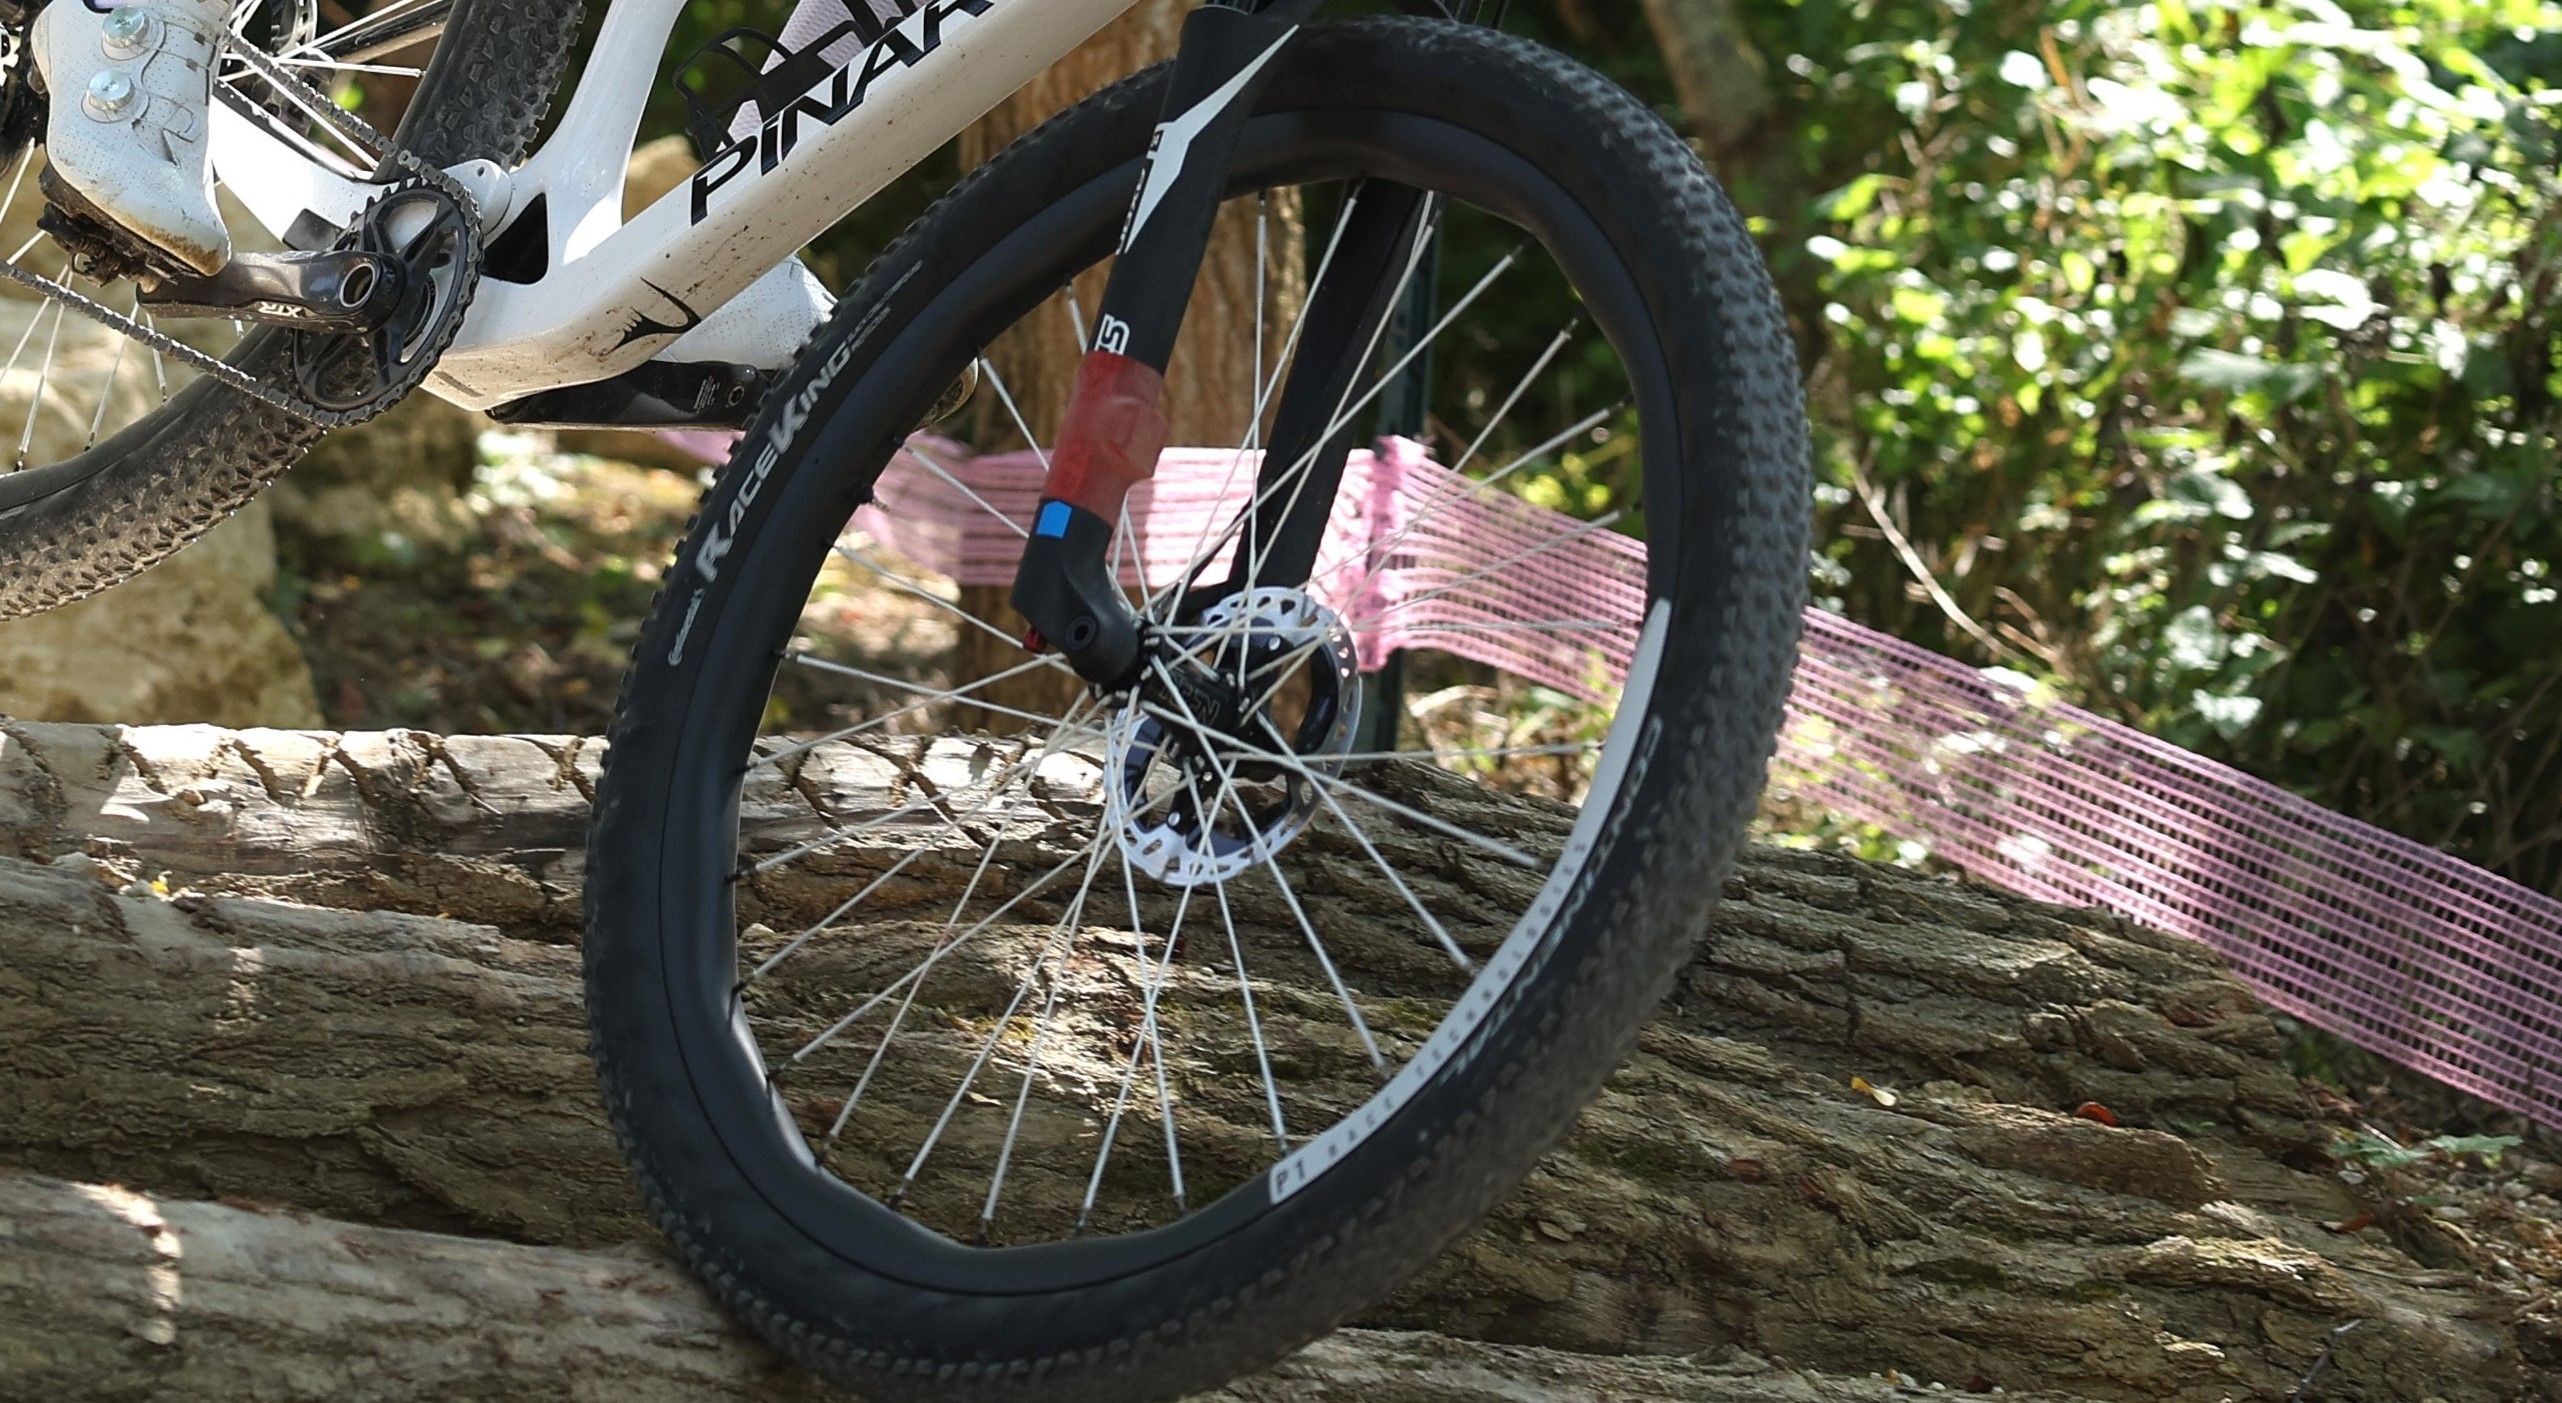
x=2223 y=370
x=2489 y=1147
x=2379 y=1152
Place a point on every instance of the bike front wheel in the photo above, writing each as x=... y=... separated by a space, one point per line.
x=977 y=1040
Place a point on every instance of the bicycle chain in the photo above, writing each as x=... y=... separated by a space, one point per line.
x=358 y=133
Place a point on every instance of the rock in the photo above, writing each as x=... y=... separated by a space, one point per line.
x=656 y=168
x=393 y=485
x=189 y=640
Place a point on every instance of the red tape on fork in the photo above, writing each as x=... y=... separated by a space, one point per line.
x=1111 y=435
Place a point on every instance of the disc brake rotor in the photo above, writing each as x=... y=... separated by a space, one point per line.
x=1217 y=766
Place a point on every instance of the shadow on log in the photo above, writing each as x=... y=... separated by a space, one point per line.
x=1849 y=1143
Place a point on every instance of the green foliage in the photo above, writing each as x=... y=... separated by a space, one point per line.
x=2208 y=356
x=2205 y=354
x=2370 y=1149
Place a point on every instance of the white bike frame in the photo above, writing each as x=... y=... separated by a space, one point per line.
x=612 y=294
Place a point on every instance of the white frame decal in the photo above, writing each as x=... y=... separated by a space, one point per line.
x=613 y=294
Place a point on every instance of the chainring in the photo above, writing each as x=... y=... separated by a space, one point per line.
x=340 y=378
x=428 y=228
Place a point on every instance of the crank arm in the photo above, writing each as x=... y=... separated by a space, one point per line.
x=345 y=290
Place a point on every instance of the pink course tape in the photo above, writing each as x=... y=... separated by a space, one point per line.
x=2406 y=951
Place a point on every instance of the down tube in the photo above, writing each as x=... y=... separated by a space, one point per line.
x=751 y=206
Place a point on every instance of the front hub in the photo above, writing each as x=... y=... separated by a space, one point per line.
x=1220 y=758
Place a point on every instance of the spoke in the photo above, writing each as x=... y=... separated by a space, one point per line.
x=1151 y=983
x=1491 y=752
x=33 y=321
x=1023 y=426
x=1262 y=261
x=1021 y=766
x=915 y=981
x=1022 y=1098
x=915 y=978
x=1297 y=473
x=1049 y=748
x=1124 y=544
x=1179 y=588
x=1245 y=990
x=114 y=364
x=35 y=404
x=1378 y=622
x=832 y=917
x=983 y=704
x=965 y=490
x=932 y=699
x=337 y=66
x=1523 y=388
x=1272 y=864
x=929 y=597
x=1602 y=522
x=1395 y=879
x=1297 y=766
x=159 y=371
x=363 y=29
x=1076 y=317
x=1060 y=935
x=16 y=177
x=1164 y=1097
x=1271 y=861
x=1481 y=486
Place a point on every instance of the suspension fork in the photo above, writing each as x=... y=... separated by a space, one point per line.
x=1114 y=427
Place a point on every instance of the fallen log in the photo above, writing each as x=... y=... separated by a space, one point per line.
x=1849 y=1142
x=374 y=1066
x=106 y=1294
x=487 y=829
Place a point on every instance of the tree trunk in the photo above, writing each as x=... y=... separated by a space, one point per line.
x=110 y=1294
x=1724 y=87
x=1732 y=1189
x=1210 y=387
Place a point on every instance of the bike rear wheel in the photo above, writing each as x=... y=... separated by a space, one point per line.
x=1116 y=1055
x=113 y=458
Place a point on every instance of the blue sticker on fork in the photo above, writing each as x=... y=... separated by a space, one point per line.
x=1053 y=520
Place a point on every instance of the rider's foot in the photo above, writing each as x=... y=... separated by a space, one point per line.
x=126 y=128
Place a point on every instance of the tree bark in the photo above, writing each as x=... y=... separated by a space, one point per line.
x=1732 y=1189
x=1209 y=388
x=1724 y=87
x=107 y=1294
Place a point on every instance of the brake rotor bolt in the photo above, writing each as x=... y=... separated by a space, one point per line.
x=126 y=32
x=110 y=93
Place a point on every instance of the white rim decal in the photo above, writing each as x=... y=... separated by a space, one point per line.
x=1301 y=1167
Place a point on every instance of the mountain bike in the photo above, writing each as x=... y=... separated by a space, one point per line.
x=1124 y=1014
